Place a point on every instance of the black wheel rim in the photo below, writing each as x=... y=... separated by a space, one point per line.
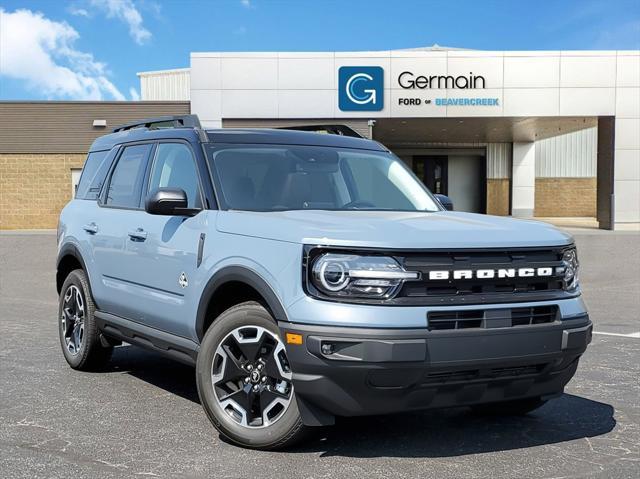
x=72 y=319
x=251 y=377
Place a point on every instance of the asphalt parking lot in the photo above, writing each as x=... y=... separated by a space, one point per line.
x=142 y=417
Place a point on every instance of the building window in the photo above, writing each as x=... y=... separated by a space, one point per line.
x=75 y=180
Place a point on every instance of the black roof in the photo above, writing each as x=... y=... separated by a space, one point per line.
x=289 y=137
x=236 y=136
x=107 y=142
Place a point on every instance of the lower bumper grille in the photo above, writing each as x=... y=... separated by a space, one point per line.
x=491 y=318
x=488 y=374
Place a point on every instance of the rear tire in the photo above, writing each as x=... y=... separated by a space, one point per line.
x=244 y=380
x=518 y=407
x=79 y=335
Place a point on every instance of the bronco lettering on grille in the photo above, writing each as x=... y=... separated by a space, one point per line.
x=440 y=275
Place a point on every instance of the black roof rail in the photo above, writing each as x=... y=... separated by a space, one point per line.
x=342 y=130
x=175 y=121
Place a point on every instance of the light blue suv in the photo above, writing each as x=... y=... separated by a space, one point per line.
x=308 y=276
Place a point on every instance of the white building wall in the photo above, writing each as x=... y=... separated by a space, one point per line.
x=499 y=160
x=165 y=85
x=627 y=139
x=304 y=85
x=573 y=155
x=523 y=183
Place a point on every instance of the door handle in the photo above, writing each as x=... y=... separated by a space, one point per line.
x=138 y=235
x=91 y=228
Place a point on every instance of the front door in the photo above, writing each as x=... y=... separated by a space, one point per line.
x=166 y=268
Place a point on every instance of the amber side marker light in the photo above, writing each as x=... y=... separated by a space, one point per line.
x=293 y=338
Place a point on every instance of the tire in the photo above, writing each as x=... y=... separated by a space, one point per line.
x=225 y=359
x=80 y=341
x=518 y=407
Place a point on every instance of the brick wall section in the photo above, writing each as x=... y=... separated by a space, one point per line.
x=566 y=197
x=34 y=188
x=498 y=196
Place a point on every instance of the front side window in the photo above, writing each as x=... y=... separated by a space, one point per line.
x=174 y=167
x=276 y=178
x=126 y=181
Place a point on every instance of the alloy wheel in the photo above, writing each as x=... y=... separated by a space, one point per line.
x=72 y=319
x=251 y=377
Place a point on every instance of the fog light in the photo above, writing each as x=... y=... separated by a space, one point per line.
x=328 y=349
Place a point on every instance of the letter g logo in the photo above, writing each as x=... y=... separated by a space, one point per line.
x=360 y=88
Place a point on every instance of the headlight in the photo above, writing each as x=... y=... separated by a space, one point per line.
x=570 y=265
x=356 y=276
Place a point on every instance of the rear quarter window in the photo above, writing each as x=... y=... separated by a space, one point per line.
x=93 y=175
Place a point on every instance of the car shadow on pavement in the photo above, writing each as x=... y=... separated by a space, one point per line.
x=431 y=433
x=172 y=376
x=457 y=431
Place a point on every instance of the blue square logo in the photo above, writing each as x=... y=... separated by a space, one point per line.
x=360 y=88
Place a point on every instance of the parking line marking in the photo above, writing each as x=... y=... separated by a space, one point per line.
x=630 y=335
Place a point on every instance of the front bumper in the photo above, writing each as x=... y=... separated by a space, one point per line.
x=344 y=371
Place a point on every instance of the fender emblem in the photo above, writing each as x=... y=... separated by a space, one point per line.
x=183 y=281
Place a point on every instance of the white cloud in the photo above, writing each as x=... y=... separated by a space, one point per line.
x=127 y=12
x=133 y=93
x=78 y=12
x=246 y=3
x=41 y=52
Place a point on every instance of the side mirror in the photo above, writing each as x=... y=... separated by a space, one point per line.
x=168 y=201
x=445 y=201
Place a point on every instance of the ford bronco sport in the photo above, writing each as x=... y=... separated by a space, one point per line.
x=309 y=276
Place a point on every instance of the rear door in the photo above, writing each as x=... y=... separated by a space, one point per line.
x=118 y=214
x=84 y=213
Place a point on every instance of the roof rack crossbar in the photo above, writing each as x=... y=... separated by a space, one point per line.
x=175 y=121
x=342 y=130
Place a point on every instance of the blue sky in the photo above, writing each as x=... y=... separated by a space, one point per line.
x=92 y=49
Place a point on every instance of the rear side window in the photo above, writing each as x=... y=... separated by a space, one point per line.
x=93 y=175
x=126 y=180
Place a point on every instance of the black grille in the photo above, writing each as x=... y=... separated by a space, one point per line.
x=498 y=290
x=443 y=377
x=533 y=315
x=491 y=318
x=455 y=319
x=479 y=291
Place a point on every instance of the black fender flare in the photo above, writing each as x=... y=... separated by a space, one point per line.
x=68 y=249
x=243 y=275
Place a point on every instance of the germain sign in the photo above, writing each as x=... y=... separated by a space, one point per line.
x=408 y=80
x=361 y=88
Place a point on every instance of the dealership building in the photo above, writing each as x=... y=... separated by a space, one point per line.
x=528 y=134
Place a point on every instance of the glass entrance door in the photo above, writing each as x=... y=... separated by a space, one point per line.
x=433 y=171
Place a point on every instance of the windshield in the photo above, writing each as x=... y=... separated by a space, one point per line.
x=282 y=177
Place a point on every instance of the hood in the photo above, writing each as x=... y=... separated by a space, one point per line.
x=395 y=230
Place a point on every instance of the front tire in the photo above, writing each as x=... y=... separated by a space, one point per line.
x=79 y=335
x=244 y=380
